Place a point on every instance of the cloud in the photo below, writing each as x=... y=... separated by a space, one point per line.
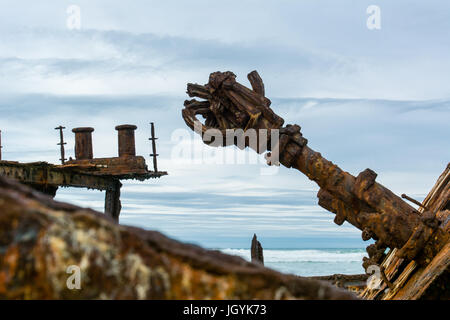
x=93 y=61
x=120 y=62
x=364 y=99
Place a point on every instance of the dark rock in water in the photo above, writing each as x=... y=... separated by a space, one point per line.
x=54 y=250
x=257 y=251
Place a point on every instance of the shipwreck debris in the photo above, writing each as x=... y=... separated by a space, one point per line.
x=256 y=251
x=1 y=147
x=86 y=171
x=416 y=237
x=41 y=238
x=429 y=280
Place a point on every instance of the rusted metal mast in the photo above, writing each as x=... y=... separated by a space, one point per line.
x=154 y=154
x=61 y=143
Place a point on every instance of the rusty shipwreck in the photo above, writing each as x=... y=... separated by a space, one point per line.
x=412 y=248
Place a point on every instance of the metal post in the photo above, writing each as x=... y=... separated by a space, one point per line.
x=126 y=140
x=83 y=143
x=1 y=145
x=61 y=143
x=112 y=201
x=154 y=154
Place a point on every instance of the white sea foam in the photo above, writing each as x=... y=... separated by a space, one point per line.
x=309 y=262
x=306 y=255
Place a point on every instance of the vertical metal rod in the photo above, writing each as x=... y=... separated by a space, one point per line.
x=61 y=143
x=154 y=154
x=1 y=145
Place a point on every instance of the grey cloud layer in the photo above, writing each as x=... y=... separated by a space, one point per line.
x=201 y=202
x=98 y=61
x=377 y=99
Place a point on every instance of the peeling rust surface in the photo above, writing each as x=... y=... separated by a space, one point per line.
x=40 y=238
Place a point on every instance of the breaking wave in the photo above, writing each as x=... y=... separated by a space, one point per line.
x=309 y=262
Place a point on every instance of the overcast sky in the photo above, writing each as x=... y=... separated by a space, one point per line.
x=364 y=98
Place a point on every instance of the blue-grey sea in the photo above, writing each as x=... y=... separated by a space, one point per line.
x=309 y=262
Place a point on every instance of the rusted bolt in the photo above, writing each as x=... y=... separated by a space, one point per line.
x=126 y=140
x=83 y=142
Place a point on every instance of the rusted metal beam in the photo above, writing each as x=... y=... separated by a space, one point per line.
x=128 y=167
x=45 y=174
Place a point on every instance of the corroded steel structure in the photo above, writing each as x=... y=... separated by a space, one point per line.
x=86 y=171
x=230 y=108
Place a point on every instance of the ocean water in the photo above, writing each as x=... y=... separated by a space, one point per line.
x=309 y=262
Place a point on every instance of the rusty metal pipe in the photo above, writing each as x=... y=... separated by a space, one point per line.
x=127 y=146
x=83 y=142
x=391 y=209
